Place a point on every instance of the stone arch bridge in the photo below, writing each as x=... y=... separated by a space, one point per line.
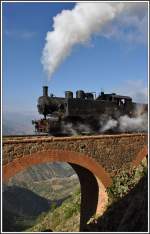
x=94 y=158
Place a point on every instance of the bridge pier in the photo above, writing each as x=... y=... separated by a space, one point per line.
x=89 y=194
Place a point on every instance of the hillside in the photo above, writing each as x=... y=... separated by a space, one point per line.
x=34 y=191
x=58 y=210
x=49 y=180
x=20 y=204
x=128 y=214
x=65 y=218
x=127 y=209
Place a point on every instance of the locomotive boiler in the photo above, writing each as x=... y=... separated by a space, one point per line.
x=84 y=113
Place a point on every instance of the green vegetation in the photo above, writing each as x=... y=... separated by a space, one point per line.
x=64 y=218
x=32 y=194
x=127 y=208
x=125 y=180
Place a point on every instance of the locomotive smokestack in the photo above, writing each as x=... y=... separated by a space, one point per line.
x=45 y=90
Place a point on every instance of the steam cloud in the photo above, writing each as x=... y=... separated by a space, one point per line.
x=69 y=128
x=133 y=124
x=111 y=123
x=127 y=124
x=76 y=26
x=137 y=123
x=124 y=123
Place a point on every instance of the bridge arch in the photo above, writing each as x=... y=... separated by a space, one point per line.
x=140 y=156
x=93 y=178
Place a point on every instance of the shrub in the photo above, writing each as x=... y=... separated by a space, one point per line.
x=125 y=180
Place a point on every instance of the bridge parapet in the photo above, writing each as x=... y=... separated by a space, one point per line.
x=112 y=152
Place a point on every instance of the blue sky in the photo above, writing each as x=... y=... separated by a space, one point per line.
x=112 y=63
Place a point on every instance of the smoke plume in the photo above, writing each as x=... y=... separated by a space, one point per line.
x=138 y=124
x=111 y=123
x=76 y=26
x=120 y=124
x=71 y=129
x=125 y=123
x=68 y=129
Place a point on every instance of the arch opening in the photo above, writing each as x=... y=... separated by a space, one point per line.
x=37 y=194
x=93 y=178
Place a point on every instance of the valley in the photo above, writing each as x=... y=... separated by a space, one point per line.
x=39 y=189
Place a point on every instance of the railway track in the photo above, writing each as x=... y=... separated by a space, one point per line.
x=82 y=134
x=25 y=136
x=36 y=136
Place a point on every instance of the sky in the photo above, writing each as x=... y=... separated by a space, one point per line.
x=114 y=60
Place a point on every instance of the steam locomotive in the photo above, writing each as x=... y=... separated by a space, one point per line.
x=83 y=114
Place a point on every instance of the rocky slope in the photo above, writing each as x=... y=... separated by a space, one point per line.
x=128 y=214
x=34 y=191
x=128 y=203
x=60 y=211
x=127 y=210
x=65 y=218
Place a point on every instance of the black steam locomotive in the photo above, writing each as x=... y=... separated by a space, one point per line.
x=84 y=114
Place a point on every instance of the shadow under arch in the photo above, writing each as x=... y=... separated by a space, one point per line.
x=93 y=178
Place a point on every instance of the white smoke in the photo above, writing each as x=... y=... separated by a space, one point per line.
x=71 y=129
x=138 y=124
x=67 y=128
x=111 y=123
x=122 y=124
x=84 y=128
x=76 y=26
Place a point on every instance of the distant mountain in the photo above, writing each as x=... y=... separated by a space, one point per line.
x=42 y=172
x=49 y=180
x=17 y=123
x=34 y=191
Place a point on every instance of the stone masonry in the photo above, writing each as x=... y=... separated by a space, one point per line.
x=112 y=152
x=94 y=158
